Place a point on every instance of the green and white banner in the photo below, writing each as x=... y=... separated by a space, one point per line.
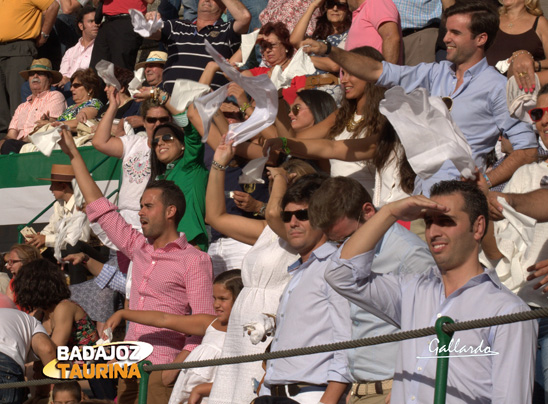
x=23 y=196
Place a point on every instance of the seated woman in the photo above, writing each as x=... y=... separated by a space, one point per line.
x=179 y=157
x=19 y=255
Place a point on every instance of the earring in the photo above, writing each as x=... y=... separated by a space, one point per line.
x=89 y=93
x=182 y=148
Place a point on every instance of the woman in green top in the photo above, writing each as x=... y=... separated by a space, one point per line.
x=179 y=157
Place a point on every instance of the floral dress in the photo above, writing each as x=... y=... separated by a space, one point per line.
x=71 y=112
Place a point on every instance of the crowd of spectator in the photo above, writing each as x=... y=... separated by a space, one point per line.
x=341 y=235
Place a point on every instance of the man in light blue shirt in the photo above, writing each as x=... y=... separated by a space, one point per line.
x=310 y=311
x=339 y=207
x=488 y=365
x=477 y=91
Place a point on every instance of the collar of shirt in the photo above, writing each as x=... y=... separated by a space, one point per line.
x=85 y=47
x=40 y=95
x=69 y=205
x=195 y=22
x=180 y=243
x=473 y=71
x=358 y=10
x=321 y=254
x=486 y=276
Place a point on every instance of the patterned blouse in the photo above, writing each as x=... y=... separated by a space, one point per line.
x=71 y=112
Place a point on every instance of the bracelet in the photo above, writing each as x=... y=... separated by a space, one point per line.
x=218 y=166
x=261 y=211
x=328 y=51
x=244 y=107
x=522 y=52
x=285 y=148
x=539 y=65
x=162 y=95
x=487 y=180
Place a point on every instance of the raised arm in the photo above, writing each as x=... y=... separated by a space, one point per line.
x=237 y=227
x=102 y=140
x=241 y=15
x=362 y=67
x=299 y=32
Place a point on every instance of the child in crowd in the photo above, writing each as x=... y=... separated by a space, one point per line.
x=69 y=392
x=194 y=384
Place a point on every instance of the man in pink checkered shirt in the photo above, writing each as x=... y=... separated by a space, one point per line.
x=169 y=274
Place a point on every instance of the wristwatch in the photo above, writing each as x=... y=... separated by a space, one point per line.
x=44 y=34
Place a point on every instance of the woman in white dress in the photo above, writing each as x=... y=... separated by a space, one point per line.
x=264 y=272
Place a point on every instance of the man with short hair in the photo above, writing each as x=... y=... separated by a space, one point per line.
x=79 y=56
x=306 y=299
x=458 y=287
x=187 y=56
x=169 y=274
x=479 y=110
x=340 y=207
x=42 y=101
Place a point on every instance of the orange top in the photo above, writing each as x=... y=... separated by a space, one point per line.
x=21 y=19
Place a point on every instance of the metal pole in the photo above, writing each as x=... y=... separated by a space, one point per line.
x=143 y=383
x=443 y=359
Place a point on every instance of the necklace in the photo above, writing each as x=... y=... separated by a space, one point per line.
x=511 y=23
x=352 y=124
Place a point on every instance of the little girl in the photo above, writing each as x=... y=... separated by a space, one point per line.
x=194 y=384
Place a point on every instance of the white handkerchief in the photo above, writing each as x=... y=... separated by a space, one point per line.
x=137 y=82
x=260 y=88
x=105 y=70
x=207 y=105
x=253 y=171
x=519 y=102
x=145 y=27
x=248 y=44
x=427 y=132
x=46 y=138
x=263 y=325
x=300 y=65
x=186 y=91
x=68 y=230
x=128 y=129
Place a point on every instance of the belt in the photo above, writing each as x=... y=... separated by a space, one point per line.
x=409 y=31
x=14 y=40
x=321 y=80
x=291 y=390
x=116 y=17
x=362 y=389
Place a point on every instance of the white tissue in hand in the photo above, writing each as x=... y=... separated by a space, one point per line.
x=300 y=65
x=145 y=27
x=46 y=138
x=252 y=173
x=105 y=70
x=263 y=326
x=185 y=92
x=108 y=333
x=248 y=44
x=137 y=82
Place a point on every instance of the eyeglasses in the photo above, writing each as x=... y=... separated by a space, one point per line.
x=265 y=45
x=448 y=101
x=154 y=119
x=332 y=3
x=536 y=114
x=165 y=138
x=301 y=215
x=296 y=108
x=11 y=262
x=76 y=85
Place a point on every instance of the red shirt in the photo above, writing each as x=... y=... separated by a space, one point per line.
x=115 y=7
x=176 y=279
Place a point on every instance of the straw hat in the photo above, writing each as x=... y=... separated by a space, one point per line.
x=42 y=65
x=60 y=173
x=153 y=57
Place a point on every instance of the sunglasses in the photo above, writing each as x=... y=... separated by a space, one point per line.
x=331 y=4
x=296 y=108
x=448 y=101
x=165 y=138
x=301 y=215
x=536 y=114
x=153 y=119
x=265 y=45
x=76 y=85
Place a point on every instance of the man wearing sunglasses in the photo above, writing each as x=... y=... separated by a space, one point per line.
x=478 y=91
x=340 y=207
x=309 y=310
x=375 y=23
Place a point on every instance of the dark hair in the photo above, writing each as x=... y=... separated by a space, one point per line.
x=156 y=166
x=337 y=197
x=543 y=90
x=231 y=280
x=88 y=8
x=321 y=104
x=40 y=285
x=280 y=30
x=149 y=103
x=302 y=189
x=375 y=123
x=89 y=79
x=483 y=18
x=124 y=76
x=475 y=202
x=171 y=196
x=324 y=28
x=72 y=387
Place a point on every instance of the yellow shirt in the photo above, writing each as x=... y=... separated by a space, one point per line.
x=21 y=19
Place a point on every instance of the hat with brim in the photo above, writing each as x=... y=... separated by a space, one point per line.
x=60 y=173
x=153 y=57
x=42 y=65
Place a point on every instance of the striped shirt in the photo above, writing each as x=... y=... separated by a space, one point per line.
x=25 y=116
x=187 y=56
x=176 y=278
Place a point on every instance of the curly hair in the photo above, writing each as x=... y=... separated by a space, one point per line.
x=280 y=30
x=124 y=76
x=324 y=28
x=89 y=79
x=40 y=285
x=374 y=122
